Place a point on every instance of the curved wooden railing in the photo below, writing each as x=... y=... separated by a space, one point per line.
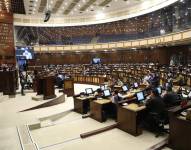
x=94 y=80
x=172 y=38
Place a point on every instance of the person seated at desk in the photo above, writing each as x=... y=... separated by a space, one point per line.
x=111 y=82
x=146 y=80
x=170 y=98
x=154 y=107
x=154 y=80
x=98 y=94
x=119 y=82
x=179 y=79
x=116 y=97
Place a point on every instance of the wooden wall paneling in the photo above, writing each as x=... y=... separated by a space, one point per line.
x=161 y=55
x=7 y=51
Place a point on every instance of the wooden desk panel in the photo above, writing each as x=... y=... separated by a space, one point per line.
x=98 y=109
x=129 y=118
x=45 y=86
x=82 y=104
x=180 y=130
x=48 y=87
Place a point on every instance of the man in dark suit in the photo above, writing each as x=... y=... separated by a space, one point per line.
x=170 y=98
x=22 y=82
x=154 y=107
x=155 y=103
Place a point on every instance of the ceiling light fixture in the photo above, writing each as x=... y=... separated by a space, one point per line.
x=100 y=15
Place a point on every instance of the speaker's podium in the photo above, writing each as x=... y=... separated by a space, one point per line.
x=68 y=88
x=45 y=86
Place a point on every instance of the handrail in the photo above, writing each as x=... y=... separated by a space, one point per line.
x=172 y=38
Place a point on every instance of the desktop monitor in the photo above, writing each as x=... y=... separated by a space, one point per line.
x=96 y=60
x=89 y=91
x=159 y=90
x=125 y=88
x=140 y=96
x=106 y=93
x=24 y=53
x=189 y=94
x=135 y=85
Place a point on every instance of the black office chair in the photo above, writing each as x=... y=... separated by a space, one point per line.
x=159 y=121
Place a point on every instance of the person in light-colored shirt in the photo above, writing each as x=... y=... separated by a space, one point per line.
x=116 y=97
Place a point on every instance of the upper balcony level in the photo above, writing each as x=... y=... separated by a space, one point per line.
x=169 y=25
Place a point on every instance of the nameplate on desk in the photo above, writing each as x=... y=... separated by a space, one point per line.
x=128 y=95
x=134 y=107
x=135 y=91
x=117 y=86
x=103 y=101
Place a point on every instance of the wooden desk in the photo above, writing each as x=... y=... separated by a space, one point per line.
x=128 y=95
x=82 y=104
x=45 y=86
x=99 y=108
x=129 y=117
x=180 y=130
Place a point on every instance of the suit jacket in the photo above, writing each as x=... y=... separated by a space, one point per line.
x=156 y=105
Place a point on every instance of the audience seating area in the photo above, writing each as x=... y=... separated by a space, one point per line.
x=156 y=23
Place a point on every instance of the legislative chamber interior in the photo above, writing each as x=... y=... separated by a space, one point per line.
x=95 y=74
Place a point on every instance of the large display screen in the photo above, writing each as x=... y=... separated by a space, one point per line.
x=96 y=61
x=24 y=53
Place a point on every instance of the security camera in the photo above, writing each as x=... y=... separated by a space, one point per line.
x=47 y=15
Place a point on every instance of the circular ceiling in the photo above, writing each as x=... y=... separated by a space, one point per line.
x=82 y=12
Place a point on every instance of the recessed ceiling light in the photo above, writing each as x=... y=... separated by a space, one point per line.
x=100 y=15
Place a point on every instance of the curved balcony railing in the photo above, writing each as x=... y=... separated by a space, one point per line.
x=165 y=40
